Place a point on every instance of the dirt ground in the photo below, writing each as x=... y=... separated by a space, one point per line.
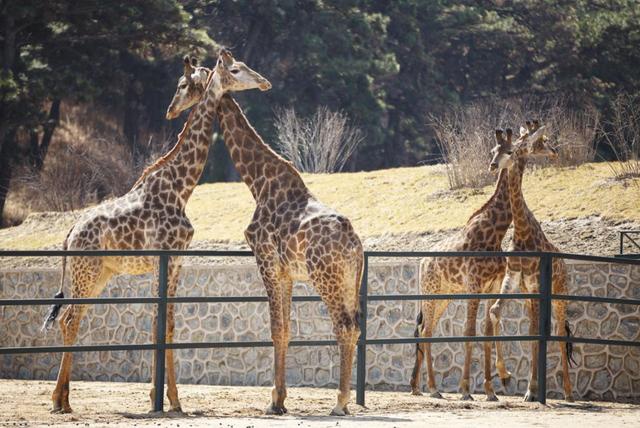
x=27 y=403
x=587 y=235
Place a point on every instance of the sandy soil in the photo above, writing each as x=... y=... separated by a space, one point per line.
x=27 y=403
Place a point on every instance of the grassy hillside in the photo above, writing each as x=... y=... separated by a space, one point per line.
x=395 y=201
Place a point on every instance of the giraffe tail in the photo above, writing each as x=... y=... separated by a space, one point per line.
x=569 y=345
x=416 y=333
x=54 y=310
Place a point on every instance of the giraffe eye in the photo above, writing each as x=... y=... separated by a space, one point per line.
x=509 y=152
x=235 y=71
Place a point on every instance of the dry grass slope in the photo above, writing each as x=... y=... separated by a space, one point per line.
x=395 y=201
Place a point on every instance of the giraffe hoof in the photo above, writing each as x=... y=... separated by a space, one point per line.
x=492 y=397
x=435 y=394
x=530 y=397
x=176 y=409
x=506 y=380
x=275 y=410
x=416 y=392
x=337 y=411
x=569 y=398
x=466 y=397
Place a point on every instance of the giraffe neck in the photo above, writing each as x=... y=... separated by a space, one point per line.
x=262 y=169
x=520 y=211
x=498 y=207
x=180 y=169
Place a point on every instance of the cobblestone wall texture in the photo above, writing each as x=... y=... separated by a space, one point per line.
x=602 y=372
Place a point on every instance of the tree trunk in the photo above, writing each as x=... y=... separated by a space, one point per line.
x=6 y=155
x=49 y=128
x=132 y=120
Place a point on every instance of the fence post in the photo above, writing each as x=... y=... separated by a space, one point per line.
x=361 y=368
x=546 y=272
x=621 y=242
x=161 y=329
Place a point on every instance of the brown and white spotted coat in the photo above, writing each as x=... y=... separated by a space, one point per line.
x=150 y=216
x=523 y=273
x=484 y=231
x=295 y=238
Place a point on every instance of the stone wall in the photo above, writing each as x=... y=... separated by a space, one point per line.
x=602 y=372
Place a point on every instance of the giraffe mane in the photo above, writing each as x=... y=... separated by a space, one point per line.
x=257 y=136
x=174 y=150
x=491 y=199
x=167 y=156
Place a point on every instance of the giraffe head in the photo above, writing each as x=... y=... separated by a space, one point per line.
x=229 y=75
x=532 y=142
x=502 y=151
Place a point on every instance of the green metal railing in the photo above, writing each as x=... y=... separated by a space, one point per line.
x=629 y=236
x=545 y=296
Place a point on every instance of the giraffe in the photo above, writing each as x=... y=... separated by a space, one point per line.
x=294 y=238
x=150 y=216
x=484 y=231
x=528 y=236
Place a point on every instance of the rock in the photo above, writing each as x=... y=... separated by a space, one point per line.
x=595 y=361
x=609 y=325
x=629 y=327
x=601 y=380
x=597 y=310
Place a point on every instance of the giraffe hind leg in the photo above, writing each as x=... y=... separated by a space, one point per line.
x=70 y=325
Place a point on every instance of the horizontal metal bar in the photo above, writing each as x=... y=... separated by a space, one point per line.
x=235 y=299
x=150 y=346
x=425 y=254
x=601 y=259
x=296 y=343
x=80 y=301
x=404 y=340
x=215 y=253
x=611 y=342
x=379 y=297
x=120 y=253
x=79 y=348
x=256 y=344
x=614 y=300
x=627 y=256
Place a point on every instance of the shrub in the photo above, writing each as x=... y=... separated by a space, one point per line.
x=322 y=143
x=465 y=135
x=622 y=134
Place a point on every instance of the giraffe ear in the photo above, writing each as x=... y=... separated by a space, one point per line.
x=194 y=61
x=226 y=57
x=188 y=69
x=499 y=136
x=529 y=126
x=523 y=131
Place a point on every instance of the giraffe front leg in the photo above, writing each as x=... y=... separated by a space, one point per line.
x=470 y=331
x=532 y=389
x=562 y=328
x=510 y=283
x=280 y=338
x=488 y=331
x=172 y=389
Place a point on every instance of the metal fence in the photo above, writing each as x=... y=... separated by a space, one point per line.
x=545 y=296
x=629 y=236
